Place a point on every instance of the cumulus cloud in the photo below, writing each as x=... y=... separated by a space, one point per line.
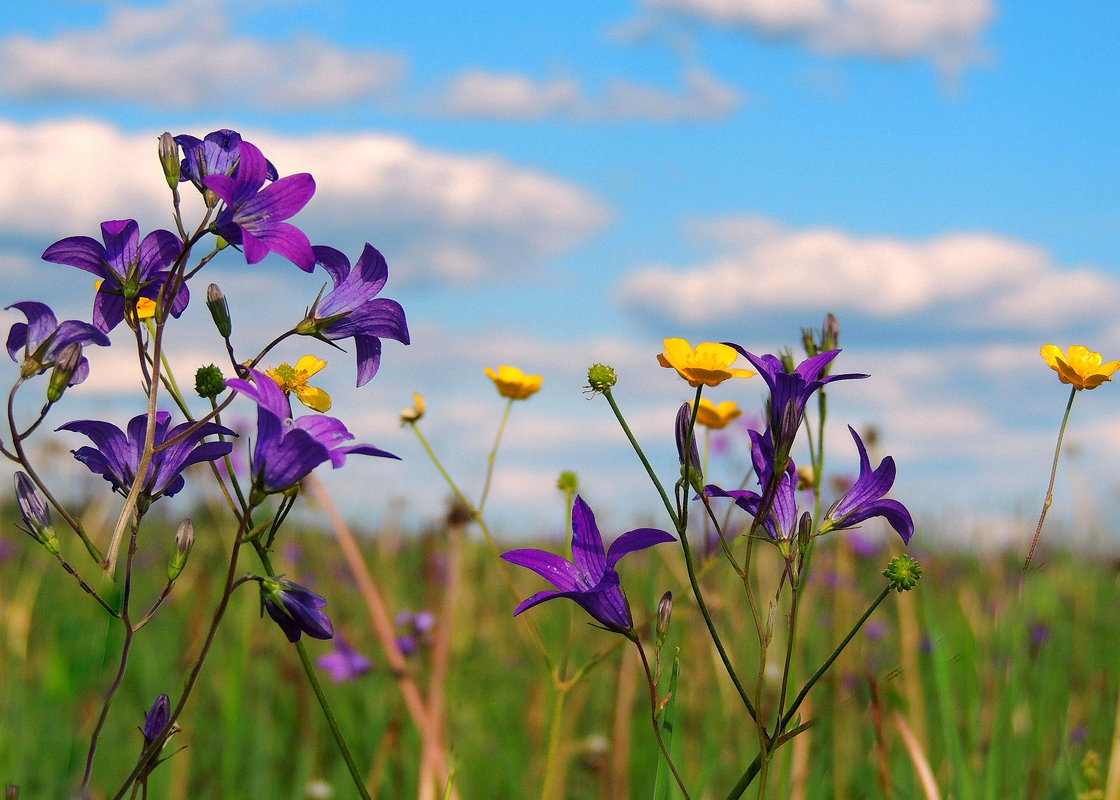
x=451 y=216
x=945 y=32
x=511 y=96
x=968 y=279
x=183 y=54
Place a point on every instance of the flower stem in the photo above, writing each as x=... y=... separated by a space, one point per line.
x=493 y=456
x=653 y=711
x=1053 y=476
x=555 y=728
x=642 y=457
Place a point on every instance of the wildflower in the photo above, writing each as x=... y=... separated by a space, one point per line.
x=296 y=609
x=417 y=630
x=1080 y=367
x=295 y=379
x=253 y=217
x=184 y=543
x=115 y=456
x=42 y=339
x=344 y=663
x=288 y=449
x=709 y=364
x=513 y=383
x=790 y=391
x=145 y=306
x=780 y=522
x=219 y=153
x=717 y=417
x=157 y=718
x=590 y=578
x=353 y=309
x=35 y=512
x=414 y=412
x=865 y=499
x=128 y=267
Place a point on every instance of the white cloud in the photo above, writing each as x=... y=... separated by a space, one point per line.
x=970 y=279
x=945 y=32
x=437 y=214
x=183 y=55
x=511 y=96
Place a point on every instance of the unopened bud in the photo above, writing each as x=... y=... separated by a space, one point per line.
x=184 y=541
x=219 y=310
x=664 y=612
x=64 y=367
x=169 y=159
x=568 y=482
x=830 y=333
x=902 y=573
x=804 y=530
x=787 y=360
x=809 y=342
x=601 y=377
x=35 y=512
x=209 y=382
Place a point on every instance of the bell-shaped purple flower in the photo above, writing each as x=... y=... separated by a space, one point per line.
x=590 y=578
x=35 y=512
x=217 y=154
x=866 y=498
x=128 y=267
x=253 y=217
x=157 y=718
x=296 y=609
x=780 y=522
x=116 y=455
x=353 y=309
x=790 y=391
x=288 y=449
x=42 y=339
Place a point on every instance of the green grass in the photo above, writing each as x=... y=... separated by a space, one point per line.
x=1000 y=710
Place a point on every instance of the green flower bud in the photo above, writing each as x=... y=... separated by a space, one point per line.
x=219 y=310
x=902 y=573
x=64 y=367
x=209 y=382
x=169 y=159
x=568 y=482
x=184 y=541
x=664 y=613
x=601 y=377
x=809 y=342
x=788 y=364
x=804 y=530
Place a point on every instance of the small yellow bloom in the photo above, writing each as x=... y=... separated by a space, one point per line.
x=716 y=417
x=414 y=412
x=145 y=307
x=294 y=379
x=1081 y=367
x=513 y=383
x=709 y=364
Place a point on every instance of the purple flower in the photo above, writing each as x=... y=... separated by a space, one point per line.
x=288 y=449
x=42 y=339
x=217 y=154
x=116 y=456
x=344 y=663
x=790 y=391
x=417 y=629
x=253 y=217
x=157 y=718
x=128 y=268
x=35 y=512
x=865 y=499
x=684 y=419
x=781 y=519
x=296 y=609
x=353 y=309
x=590 y=578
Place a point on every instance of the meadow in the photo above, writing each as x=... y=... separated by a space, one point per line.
x=999 y=688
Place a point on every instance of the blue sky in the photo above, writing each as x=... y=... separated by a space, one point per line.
x=557 y=184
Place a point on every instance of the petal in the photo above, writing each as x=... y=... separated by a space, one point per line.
x=560 y=572
x=637 y=539
x=587 y=543
x=333 y=261
x=278 y=237
x=368 y=352
x=82 y=252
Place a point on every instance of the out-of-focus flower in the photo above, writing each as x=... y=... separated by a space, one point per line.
x=790 y=391
x=42 y=339
x=352 y=308
x=513 y=383
x=129 y=268
x=415 y=630
x=253 y=217
x=295 y=380
x=414 y=412
x=709 y=364
x=866 y=498
x=1079 y=366
x=590 y=578
x=35 y=512
x=116 y=455
x=780 y=522
x=296 y=609
x=288 y=449
x=715 y=416
x=344 y=663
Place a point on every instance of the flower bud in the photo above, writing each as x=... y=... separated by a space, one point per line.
x=169 y=159
x=35 y=512
x=809 y=342
x=184 y=541
x=568 y=482
x=219 y=310
x=804 y=530
x=902 y=573
x=64 y=367
x=664 y=612
x=788 y=364
x=209 y=381
x=830 y=333
x=157 y=718
x=600 y=378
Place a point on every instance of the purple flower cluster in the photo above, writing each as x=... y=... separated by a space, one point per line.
x=43 y=338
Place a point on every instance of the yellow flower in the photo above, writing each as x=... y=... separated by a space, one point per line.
x=414 y=412
x=709 y=364
x=513 y=383
x=1081 y=368
x=145 y=307
x=717 y=417
x=294 y=379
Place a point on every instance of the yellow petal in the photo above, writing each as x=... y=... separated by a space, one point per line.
x=309 y=365
x=314 y=398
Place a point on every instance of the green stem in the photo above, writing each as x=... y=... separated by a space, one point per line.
x=493 y=456
x=1053 y=477
x=551 y=771
x=642 y=457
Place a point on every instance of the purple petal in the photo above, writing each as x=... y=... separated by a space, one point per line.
x=587 y=543
x=82 y=252
x=368 y=351
x=278 y=237
x=560 y=572
x=334 y=262
x=638 y=539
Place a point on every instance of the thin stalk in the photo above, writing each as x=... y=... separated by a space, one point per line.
x=653 y=711
x=642 y=457
x=1053 y=476
x=555 y=729
x=493 y=456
